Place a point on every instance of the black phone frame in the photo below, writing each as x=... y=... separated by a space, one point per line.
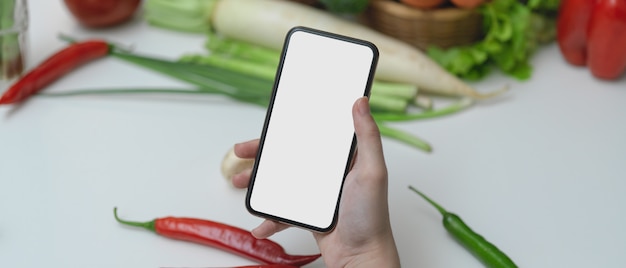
x=366 y=92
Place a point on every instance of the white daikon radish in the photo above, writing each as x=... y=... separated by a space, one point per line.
x=266 y=23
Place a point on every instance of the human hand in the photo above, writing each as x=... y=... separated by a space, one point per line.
x=362 y=236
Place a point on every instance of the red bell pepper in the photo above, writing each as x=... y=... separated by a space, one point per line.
x=593 y=33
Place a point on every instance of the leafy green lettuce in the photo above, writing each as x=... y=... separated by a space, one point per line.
x=513 y=30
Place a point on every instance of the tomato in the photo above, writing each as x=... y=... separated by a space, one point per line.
x=102 y=13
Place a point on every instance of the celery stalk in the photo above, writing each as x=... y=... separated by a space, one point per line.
x=389 y=104
x=242 y=50
x=233 y=64
x=181 y=15
x=404 y=91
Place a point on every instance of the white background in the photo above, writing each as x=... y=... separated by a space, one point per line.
x=540 y=172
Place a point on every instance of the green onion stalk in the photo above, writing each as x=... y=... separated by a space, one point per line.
x=214 y=80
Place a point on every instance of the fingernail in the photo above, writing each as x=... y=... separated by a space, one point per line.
x=237 y=145
x=364 y=106
x=255 y=232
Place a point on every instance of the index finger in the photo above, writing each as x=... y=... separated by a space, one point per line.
x=267 y=228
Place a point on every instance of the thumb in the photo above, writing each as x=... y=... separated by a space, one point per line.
x=370 y=149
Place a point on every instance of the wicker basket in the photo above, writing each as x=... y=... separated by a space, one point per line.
x=443 y=27
x=306 y=2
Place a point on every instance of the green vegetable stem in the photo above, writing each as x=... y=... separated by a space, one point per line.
x=486 y=252
x=251 y=81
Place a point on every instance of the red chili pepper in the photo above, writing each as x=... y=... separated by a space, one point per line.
x=591 y=32
x=222 y=236
x=53 y=68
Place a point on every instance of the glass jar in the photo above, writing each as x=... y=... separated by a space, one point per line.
x=13 y=35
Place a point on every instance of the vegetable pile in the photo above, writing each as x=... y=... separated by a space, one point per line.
x=243 y=57
x=266 y=23
x=244 y=38
x=244 y=86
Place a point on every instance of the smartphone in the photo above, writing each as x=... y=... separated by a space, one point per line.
x=308 y=141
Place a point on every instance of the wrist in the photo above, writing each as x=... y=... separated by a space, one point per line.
x=379 y=254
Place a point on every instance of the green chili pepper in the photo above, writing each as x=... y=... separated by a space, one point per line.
x=488 y=253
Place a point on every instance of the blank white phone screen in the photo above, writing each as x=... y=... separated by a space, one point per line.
x=310 y=131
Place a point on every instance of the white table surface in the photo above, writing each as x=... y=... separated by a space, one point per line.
x=540 y=172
